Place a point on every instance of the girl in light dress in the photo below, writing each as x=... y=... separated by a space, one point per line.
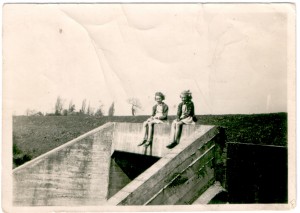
x=159 y=115
x=185 y=115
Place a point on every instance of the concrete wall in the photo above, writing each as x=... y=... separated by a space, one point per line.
x=179 y=177
x=75 y=173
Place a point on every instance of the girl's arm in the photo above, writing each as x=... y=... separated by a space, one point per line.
x=189 y=110
x=153 y=111
x=179 y=111
x=165 y=112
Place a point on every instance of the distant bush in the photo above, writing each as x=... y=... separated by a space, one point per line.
x=32 y=112
x=19 y=157
x=65 y=112
x=38 y=114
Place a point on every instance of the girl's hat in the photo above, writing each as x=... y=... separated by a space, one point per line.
x=160 y=94
x=186 y=93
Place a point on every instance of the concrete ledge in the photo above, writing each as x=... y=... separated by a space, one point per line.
x=53 y=151
x=128 y=135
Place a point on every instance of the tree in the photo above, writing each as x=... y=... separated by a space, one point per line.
x=99 y=111
x=71 y=107
x=58 y=106
x=111 y=110
x=90 y=110
x=83 y=105
x=135 y=105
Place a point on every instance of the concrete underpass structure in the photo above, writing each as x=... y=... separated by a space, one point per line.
x=106 y=167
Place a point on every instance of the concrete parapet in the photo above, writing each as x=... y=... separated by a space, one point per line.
x=128 y=135
x=75 y=173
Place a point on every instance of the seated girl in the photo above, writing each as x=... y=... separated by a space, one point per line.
x=185 y=115
x=159 y=115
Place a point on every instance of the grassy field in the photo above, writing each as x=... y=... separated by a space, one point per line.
x=33 y=135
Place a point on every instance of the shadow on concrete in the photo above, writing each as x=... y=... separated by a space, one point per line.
x=220 y=198
x=125 y=167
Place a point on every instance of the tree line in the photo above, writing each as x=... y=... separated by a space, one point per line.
x=85 y=109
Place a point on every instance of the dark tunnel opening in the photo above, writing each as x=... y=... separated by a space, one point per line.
x=124 y=167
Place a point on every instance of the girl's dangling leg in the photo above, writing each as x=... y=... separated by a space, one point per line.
x=173 y=131
x=150 y=134
x=178 y=131
x=173 y=135
x=144 y=133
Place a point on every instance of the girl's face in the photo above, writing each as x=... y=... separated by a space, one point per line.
x=158 y=99
x=184 y=99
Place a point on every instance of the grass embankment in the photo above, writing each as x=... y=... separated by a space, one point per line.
x=33 y=136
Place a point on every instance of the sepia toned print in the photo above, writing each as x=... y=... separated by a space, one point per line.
x=89 y=130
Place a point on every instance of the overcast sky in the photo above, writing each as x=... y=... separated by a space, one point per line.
x=232 y=57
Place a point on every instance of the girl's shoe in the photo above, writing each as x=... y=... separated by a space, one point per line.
x=143 y=142
x=172 y=145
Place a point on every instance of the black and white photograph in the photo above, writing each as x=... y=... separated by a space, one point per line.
x=148 y=106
